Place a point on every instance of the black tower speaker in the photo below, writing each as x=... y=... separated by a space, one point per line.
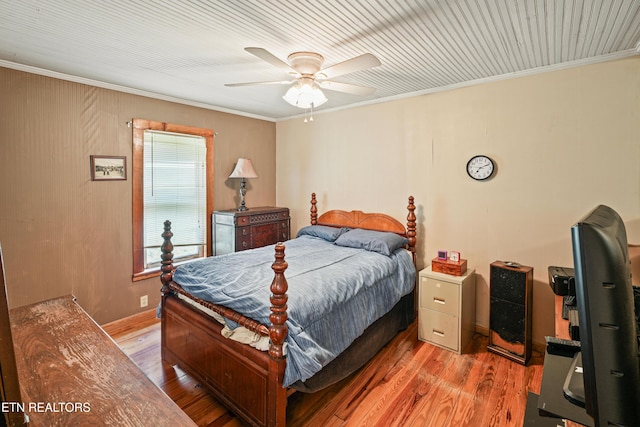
x=510 y=310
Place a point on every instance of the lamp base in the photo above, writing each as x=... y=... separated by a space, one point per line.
x=243 y=191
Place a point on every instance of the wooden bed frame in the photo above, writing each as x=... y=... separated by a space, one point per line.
x=246 y=380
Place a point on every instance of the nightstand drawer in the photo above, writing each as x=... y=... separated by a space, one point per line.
x=438 y=328
x=439 y=295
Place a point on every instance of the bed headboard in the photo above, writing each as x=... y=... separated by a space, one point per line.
x=369 y=221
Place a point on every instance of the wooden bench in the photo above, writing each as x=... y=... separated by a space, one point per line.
x=71 y=372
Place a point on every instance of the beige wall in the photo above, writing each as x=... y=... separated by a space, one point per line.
x=61 y=232
x=563 y=142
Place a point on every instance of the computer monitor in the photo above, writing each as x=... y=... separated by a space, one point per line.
x=608 y=335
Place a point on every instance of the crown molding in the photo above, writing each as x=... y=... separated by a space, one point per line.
x=124 y=89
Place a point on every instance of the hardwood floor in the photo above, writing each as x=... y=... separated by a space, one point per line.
x=409 y=383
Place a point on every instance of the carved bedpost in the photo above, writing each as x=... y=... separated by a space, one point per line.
x=167 y=256
x=411 y=228
x=314 y=209
x=278 y=329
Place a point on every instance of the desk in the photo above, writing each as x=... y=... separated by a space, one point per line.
x=72 y=373
x=551 y=397
x=562 y=331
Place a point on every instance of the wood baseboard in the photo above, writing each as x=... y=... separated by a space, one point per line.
x=482 y=330
x=135 y=321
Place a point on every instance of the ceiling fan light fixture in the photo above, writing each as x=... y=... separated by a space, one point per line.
x=305 y=95
x=309 y=76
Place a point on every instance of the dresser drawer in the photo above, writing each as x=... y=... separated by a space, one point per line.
x=438 y=328
x=243 y=220
x=439 y=295
x=283 y=230
x=223 y=219
x=243 y=239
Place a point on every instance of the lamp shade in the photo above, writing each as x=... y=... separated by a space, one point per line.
x=305 y=95
x=243 y=169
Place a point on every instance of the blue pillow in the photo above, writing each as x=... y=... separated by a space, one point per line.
x=377 y=241
x=330 y=234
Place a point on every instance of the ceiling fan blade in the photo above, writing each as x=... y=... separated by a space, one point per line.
x=346 y=87
x=267 y=56
x=281 y=82
x=358 y=63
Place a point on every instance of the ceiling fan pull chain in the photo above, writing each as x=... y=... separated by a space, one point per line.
x=308 y=114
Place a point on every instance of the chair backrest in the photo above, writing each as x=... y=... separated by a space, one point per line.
x=9 y=386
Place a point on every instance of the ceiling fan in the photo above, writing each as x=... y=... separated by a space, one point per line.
x=308 y=76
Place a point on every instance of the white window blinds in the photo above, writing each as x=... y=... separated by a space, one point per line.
x=175 y=190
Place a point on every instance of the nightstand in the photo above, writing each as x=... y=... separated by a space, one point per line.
x=234 y=231
x=447 y=308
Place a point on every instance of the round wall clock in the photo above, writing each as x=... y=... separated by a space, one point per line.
x=480 y=167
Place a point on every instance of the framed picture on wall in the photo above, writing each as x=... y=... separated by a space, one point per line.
x=108 y=168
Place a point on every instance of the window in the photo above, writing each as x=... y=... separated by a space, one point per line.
x=172 y=179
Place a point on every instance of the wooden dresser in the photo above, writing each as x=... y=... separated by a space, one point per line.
x=234 y=231
x=71 y=372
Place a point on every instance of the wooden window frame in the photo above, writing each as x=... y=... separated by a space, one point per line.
x=139 y=127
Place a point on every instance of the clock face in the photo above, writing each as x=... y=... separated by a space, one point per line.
x=480 y=167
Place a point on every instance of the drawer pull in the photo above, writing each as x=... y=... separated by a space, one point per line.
x=244 y=244
x=439 y=301
x=438 y=333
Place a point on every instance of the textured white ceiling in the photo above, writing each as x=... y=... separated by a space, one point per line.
x=187 y=50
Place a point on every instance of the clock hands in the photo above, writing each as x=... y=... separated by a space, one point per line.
x=481 y=167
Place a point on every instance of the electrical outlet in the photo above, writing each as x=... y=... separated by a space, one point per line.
x=144 y=301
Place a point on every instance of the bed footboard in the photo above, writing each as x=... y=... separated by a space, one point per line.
x=246 y=380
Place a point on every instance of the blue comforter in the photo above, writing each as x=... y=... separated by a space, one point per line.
x=335 y=293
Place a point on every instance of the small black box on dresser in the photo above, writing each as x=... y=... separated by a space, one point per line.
x=235 y=231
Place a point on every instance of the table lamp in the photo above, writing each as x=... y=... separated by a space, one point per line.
x=244 y=169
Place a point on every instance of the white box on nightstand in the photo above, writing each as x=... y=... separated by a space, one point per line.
x=447 y=308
